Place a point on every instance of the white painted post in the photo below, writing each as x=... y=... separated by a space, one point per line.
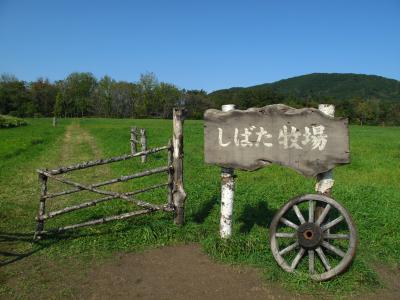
x=227 y=194
x=325 y=180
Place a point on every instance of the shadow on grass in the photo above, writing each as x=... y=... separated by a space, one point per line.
x=259 y=214
x=205 y=210
x=15 y=237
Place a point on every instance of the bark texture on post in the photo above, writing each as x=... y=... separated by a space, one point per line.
x=227 y=193
x=143 y=142
x=170 y=174
x=325 y=180
x=179 y=194
x=42 y=205
x=133 y=140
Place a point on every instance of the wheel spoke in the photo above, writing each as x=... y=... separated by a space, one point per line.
x=298 y=214
x=333 y=236
x=289 y=248
x=332 y=223
x=311 y=261
x=334 y=249
x=289 y=223
x=311 y=210
x=296 y=260
x=323 y=258
x=323 y=214
x=285 y=234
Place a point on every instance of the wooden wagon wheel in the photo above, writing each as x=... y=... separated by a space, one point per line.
x=329 y=240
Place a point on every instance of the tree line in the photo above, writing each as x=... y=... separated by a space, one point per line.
x=83 y=95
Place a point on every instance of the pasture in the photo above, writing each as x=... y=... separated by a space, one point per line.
x=369 y=188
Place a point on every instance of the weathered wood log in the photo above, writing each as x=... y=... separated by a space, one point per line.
x=53 y=214
x=133 y=140
x=42 y=205
x=103 y=161
x=179 y=194
x=115 y=180
x=109 y=193
x=170 y=174
x=143 y=142
x=100 y=221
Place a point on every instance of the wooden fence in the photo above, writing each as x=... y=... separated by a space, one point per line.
x=176 y=195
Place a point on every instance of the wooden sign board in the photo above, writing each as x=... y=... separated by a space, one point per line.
x=305 y=140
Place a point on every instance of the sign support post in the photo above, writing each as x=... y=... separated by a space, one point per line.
x=227 y=193
x=325 y=180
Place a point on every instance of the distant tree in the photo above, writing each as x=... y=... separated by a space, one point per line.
x=15 y=98
x=147 y=83
x=363 y=111
x=43 y=96
x=77 y=91
x=196 y=102
x=166 y=97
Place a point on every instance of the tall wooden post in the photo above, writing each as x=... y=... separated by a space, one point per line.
x=133 y=140
x=179 y=194
x=325 y=180
x=170 y=173
x=143 y=142
x=42 y=206
x=227 y=193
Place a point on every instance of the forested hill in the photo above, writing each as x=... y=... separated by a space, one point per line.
x=327 y=85
x=364 y=99
x=339 y=86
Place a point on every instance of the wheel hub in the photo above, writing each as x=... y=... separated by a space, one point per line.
x=309 y=235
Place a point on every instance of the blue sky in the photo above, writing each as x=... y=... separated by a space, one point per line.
x=199 y=44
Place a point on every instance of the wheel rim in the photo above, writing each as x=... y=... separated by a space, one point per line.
x=327 y=239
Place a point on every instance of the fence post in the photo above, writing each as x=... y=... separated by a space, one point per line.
x=133 y=140
x=42 y=206
x=54 y=121
x=143 y=142
x=325 y=180
x=179 y=194
x=227 y=193
x=170 y=173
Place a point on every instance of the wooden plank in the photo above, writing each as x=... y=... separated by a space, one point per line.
x=53 y=214
x=100 y=221
x=115 y=194
x=103 y=161
x=305 y=140
x=112 y=181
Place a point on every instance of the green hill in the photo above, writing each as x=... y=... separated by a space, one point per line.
x=326 y=85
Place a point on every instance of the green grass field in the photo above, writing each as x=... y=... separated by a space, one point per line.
x=369 y=188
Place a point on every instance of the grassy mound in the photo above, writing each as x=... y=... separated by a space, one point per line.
x=10 y=121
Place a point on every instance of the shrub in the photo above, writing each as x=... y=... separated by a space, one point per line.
x=9 y=121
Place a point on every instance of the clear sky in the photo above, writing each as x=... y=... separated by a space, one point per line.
x=199 y=44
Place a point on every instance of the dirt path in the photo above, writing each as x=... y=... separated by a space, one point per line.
x=180 y=272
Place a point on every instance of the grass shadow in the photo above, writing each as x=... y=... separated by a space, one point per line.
x=259 y=214
x=205 y=210
x=16 y=237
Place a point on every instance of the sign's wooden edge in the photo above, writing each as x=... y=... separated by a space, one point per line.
x=281 y=109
